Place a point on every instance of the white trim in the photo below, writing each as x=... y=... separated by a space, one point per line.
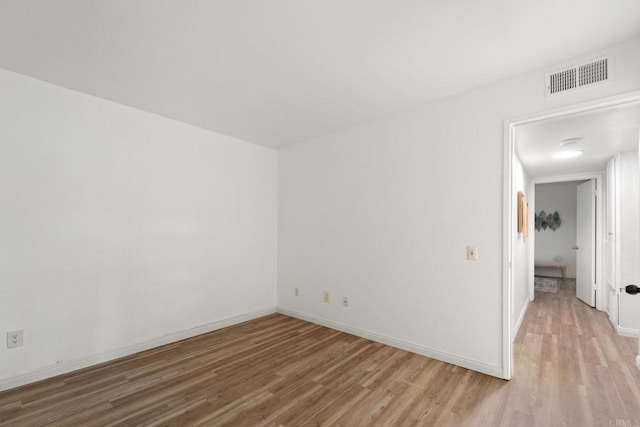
x=627 y=332
x=507 y=203
x=638 y=361
x=454 y=359
x=66 y=366
x=584 y=107
x=516 y=327
x=601 y=230
x=617 y=220
x=566 y=178
x=532 y=241
x=507 y=252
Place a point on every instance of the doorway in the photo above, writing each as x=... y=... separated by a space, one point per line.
x=564 y=239
x=598 y=150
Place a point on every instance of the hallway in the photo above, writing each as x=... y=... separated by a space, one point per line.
x=571 y=368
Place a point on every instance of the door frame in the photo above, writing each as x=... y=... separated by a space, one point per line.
x=598 y=177
x=509 y=205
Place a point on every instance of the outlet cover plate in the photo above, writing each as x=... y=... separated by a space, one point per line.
x=327 y=297
x=14 y=339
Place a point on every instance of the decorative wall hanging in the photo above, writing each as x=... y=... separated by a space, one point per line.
x=538 y=221
x=556 y=221
x=543 y=217
x=544 y=220
x=520 y=209
x=523 y=215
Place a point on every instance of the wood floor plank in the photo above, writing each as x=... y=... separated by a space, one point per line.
x=571 y=368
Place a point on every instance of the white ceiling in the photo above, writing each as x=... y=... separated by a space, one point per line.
x=283 y=71
x=602 y=134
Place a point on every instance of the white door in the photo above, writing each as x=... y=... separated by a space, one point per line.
x=585 y=242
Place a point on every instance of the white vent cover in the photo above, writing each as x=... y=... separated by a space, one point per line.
x=578 y=76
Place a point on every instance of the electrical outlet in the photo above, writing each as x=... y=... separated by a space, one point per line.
x=472 y=253
x=14 y=339
x=345 y=301
x=296 y=292
x=327 y=297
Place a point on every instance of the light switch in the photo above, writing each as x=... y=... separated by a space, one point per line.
x=472 y=253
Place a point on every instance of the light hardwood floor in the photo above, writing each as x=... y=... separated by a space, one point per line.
x=570 y=369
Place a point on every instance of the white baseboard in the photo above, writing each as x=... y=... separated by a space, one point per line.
x=627 y=332
x=516 y=327
x=485 y=368
x=75 y=364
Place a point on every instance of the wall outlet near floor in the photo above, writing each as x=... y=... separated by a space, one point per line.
x=14 y=339
x=327 y=297
x=345 y=301
x=296 y=292
x=472 y=253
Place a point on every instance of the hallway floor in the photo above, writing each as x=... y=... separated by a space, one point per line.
x=571 y=367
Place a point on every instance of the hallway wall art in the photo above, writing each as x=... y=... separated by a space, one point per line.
x=544 y=221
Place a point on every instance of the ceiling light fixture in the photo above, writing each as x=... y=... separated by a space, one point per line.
x=569 y=141
x=568 y=154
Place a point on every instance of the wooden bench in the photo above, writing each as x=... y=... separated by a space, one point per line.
x=561 y=267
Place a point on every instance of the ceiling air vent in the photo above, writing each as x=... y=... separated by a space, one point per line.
x=578 y=76
x=593 y=73
x=563 y=80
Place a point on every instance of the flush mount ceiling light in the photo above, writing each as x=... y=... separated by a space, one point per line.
x=567 y=154
x=567 y=142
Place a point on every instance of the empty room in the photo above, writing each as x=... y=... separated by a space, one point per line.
x=289 y=213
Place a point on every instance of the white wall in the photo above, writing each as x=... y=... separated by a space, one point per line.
x=629 y=239
x=557 y=246
x=521 y=252
x=119 y=227
x=383 y=212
